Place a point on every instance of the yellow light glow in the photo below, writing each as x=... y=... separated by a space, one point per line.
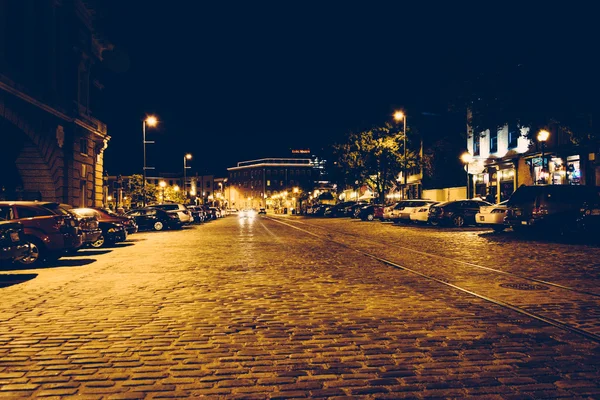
x=295 y=190
x=162 y=184
x=398 y=115
x=109 y=198
x=466 y=157
x=543 y=135
x=151 y=120
x=188 y=156
x=176 y=188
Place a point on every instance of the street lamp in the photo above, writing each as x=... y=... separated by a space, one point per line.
x=163 y=184
x=467 y=158
x=542 y=137
x=399 y=116
x=185 y=158
x=150 y=121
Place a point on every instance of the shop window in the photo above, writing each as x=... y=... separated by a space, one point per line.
x=493 y=140
x=513 y=137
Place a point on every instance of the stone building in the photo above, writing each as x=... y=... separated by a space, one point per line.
x=50 y=69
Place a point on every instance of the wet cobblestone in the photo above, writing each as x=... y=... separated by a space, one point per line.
x=256 y=309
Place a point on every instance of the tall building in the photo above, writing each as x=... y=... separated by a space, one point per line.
x=50 y=82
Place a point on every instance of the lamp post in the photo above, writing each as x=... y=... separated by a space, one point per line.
x=150 y=121
x=467 y=158
x=542 y=137
x=163 y=184
x=399 y=116
x=185 y=158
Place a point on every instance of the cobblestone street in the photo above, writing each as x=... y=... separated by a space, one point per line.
x=289 y=307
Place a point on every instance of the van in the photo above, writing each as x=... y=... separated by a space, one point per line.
x=554 y=207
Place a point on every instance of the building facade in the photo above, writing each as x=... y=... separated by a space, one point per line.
x=505 y=158
x=269 y=182
x=50 y=68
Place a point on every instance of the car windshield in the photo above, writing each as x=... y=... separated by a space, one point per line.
x=56 y=208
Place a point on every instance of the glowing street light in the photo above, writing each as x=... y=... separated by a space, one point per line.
x=542 y=136
x=400 y=116
x=467 y=158
x=163 y=184
x=150 y=121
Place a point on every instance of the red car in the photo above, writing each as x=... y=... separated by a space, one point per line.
x=49 y=234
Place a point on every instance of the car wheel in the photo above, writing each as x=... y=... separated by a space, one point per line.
x=98 y=243
x=37 y=252
x=458 y=221
x=158 y=226
x=370 y=217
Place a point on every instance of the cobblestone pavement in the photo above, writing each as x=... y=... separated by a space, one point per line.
x=257 y=309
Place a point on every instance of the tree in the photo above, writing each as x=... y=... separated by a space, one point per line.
x=173 y=196
x=136 y=192
x=375 y=157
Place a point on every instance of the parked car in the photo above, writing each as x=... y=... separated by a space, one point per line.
x=589 y=219
x=492 y=216
x=343 y=209
x=355 y=209
x=317 y=210
x=402 y=210
x=457 y=213
x=368 y=212
x=421 y=214
x=555 y=208
x=185 y=216
x=12 y=246
x=198 y=213
x=387 y=211
x=127 y=221
x=88 y=225
x=48 y=234
x=112 y=226
x=155 y=219
x=262 y=211
x=216 y=211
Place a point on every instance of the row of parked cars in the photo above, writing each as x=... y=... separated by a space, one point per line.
x=32 y=232
x=564 y=209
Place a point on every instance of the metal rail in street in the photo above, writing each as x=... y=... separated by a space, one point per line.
x=550 y=321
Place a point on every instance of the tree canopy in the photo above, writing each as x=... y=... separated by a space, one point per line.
x=374 y=157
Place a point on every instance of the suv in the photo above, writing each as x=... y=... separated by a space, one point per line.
x=557 y=207
x=185 y=216
x=48 y=233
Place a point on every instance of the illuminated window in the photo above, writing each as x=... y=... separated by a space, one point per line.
x=493 y=140
x=268 y=183
x=513 y=137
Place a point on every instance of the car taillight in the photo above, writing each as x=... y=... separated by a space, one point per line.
x=539 y=211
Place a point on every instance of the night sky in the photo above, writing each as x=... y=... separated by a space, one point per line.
x=241 y=80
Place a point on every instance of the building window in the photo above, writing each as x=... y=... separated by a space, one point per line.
x=268 y=183
x=83 y=146
x=493 y=140
x=208 y=184
x=476 y=139
x=513 y=137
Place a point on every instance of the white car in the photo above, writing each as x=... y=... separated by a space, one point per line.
x=388 y=211
x=247 y=213
x=421 y=214
x=403 y=210
x=185 y=216
x=492 y=216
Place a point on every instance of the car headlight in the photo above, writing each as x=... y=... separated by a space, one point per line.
x=111 y=230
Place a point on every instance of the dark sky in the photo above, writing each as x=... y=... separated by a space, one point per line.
x=241 y=80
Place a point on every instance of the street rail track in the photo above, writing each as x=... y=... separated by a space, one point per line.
x=565 y=326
